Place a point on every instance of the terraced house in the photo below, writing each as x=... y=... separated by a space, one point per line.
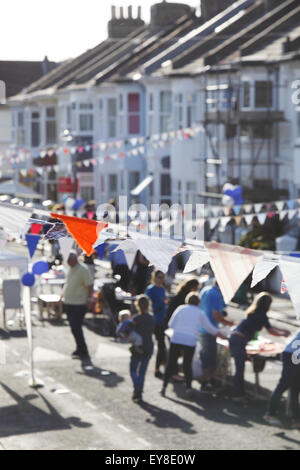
x=171 y=110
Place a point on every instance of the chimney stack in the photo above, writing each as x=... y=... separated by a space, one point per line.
x=113 y=12
x=120 y=26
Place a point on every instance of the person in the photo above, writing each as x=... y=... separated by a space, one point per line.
x=90 y=213
x=119 y=265
x=290 y=379
x=189 y=285
x=125 y=331
x=212 y=304
x=184 y=324
x=255 y=320
x=77 y=299
x=144 y=326
x=157 y=293
x=140 y=274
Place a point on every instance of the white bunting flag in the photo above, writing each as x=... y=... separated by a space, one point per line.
x=279 y=205
x=282 y=215
x=257 y=207
x=129 y=248
x=261 y=218
x=224 y=221
x=292 y=213
x=262 y=269
x=291 y=274
x=231 y=266
x=66 y=245
x=248 y=219
x=213 y=222
x=196 y=261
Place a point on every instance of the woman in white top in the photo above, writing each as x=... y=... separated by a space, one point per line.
x=185 y=323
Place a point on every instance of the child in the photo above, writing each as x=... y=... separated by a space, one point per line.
x=125 y=331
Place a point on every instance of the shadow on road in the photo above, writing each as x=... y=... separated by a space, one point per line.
x=109 y=378
x=166 y=419
x=25 y=418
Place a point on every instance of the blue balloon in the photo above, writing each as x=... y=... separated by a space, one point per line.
x=28 y=280
x=40 y=267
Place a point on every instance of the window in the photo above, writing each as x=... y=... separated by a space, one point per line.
x=35 y=129
x=112 y=116
x=121 y=105
x=87 y=193
x=246 y=95
x=134 y=179
x=165 y=122
x=191 y=109
x=263 y=94
x=113 y=183
x=20 y=128
x=151 y=102
x=178 y=111
x=133 y=113
x=165 y=185
x=69 y=117
x=191 y=186
x=121 y=116
x=151 y=115
x=211 y=100
x=50 y=126
x=86 y=118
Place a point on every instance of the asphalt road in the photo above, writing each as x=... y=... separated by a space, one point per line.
x=89 y=407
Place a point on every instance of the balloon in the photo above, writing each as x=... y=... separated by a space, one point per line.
x=40 y=267
x=28 y=280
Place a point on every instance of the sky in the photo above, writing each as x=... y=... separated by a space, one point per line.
x=60 y=29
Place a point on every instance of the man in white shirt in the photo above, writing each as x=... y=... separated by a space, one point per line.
x=185 y=323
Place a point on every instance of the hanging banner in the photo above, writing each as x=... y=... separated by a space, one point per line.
x=248 y=219
x=257 y=207
x=261 y=218
x=32 y=243
x=100 y=249
x=231 y=265
x=130 y=249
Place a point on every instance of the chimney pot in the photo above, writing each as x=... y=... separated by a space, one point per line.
x=129 y=11
x=113 y=12
x=139 y=12
x=121 y=12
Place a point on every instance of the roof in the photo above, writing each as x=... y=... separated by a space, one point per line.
x=17 y=75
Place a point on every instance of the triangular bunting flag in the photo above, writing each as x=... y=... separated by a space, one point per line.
x=196 y=261
x=213 y=222
x=279 y=205
x=100 y=249
x=282 y=215
x=257 y=207
x=231 y=265
x=247 y=208
x=129 y=248
x=84 y=231
x=292 y=213
x=262 y=269
x=224 y=221
x=248 y=219
x=291 y=274
x=65 y=244
x=237 y=209
x=32 y=242
x=290 y=204
x=261 y=218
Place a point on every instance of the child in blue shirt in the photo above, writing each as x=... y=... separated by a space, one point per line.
x=126 y=331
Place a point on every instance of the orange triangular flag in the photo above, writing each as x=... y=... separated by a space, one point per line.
x=84 y=231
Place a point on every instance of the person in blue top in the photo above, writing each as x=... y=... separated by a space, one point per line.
x=290 y=379
x=157 y=293
x=119 y=265
x=256 y=319
x=212 y=303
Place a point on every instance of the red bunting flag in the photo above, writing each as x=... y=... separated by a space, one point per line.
x=85 y=232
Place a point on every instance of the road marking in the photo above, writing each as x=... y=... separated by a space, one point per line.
x=107 y=416
x=142 y=441
x=77 y=396
x=124 y=428
x=91 y=405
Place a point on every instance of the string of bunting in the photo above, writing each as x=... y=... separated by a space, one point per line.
x=137 y=147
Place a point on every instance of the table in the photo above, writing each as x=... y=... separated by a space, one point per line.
x=51 y=302
x=259 y=351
